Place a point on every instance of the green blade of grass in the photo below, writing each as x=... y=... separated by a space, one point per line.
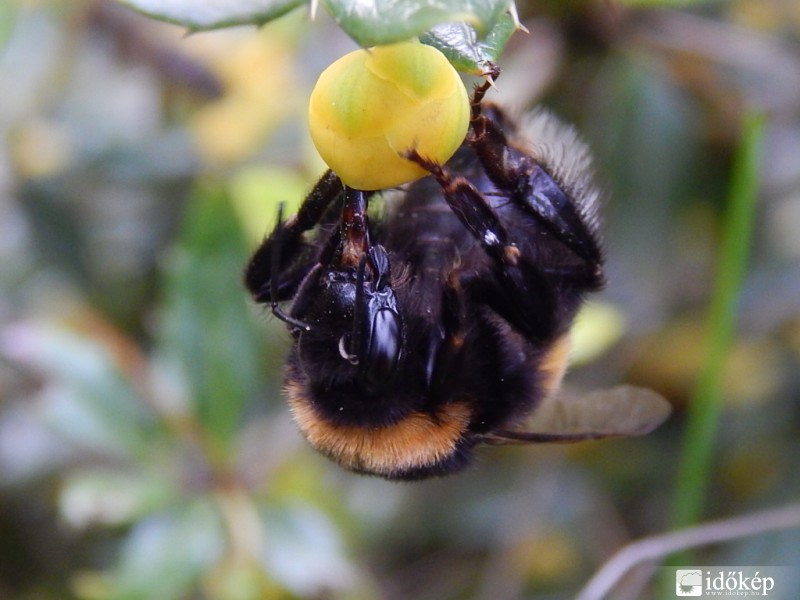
x=695 y=466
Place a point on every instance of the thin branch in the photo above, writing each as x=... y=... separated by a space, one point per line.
x=658 y=547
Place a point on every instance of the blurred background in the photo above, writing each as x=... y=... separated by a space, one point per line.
x=145 y=450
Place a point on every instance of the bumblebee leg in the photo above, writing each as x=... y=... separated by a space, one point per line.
x=473 y=211
x=282 y=247
x=531 y=187
x=446 y=348
x=277 y=240
x=520 y=292
x=492 y=73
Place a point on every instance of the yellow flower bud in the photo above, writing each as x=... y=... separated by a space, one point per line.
x=372 y=106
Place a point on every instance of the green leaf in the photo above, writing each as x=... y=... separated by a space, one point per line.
x=213 y=14
x=256 y=192
x=460 y=43
x=293 y=530
x=209 y=332
x=7 y=20
x=101 y=495
x=663 y=3
x=696 y=464
x=470 y=33
x=87 y=399
x=166 y=555
x=376 y=22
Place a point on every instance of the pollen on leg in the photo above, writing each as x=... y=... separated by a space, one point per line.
x=511 y=255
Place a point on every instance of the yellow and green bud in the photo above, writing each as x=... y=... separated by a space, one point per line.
x=370 y=107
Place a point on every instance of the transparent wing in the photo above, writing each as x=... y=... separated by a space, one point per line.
x=623 y=411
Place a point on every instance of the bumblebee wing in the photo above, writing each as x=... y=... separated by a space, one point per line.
x=623 y=411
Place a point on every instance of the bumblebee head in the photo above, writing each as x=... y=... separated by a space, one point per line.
x=355 y=329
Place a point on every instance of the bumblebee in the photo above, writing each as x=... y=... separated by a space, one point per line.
x=443 y=323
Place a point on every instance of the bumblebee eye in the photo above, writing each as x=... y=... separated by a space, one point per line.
x=384 y=347
x=375 y=340
x=370 y=107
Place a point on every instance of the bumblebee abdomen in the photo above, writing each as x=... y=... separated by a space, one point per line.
x=418 y=445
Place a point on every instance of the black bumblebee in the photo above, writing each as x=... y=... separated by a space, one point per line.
x=443 y=323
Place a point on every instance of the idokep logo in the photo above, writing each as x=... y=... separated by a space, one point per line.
x=747 y=582
x=689 y=582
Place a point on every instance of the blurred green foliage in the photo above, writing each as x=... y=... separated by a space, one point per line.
x=145 y=451
x=470 y=32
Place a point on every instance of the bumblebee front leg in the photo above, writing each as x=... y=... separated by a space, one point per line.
x=270 y=276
